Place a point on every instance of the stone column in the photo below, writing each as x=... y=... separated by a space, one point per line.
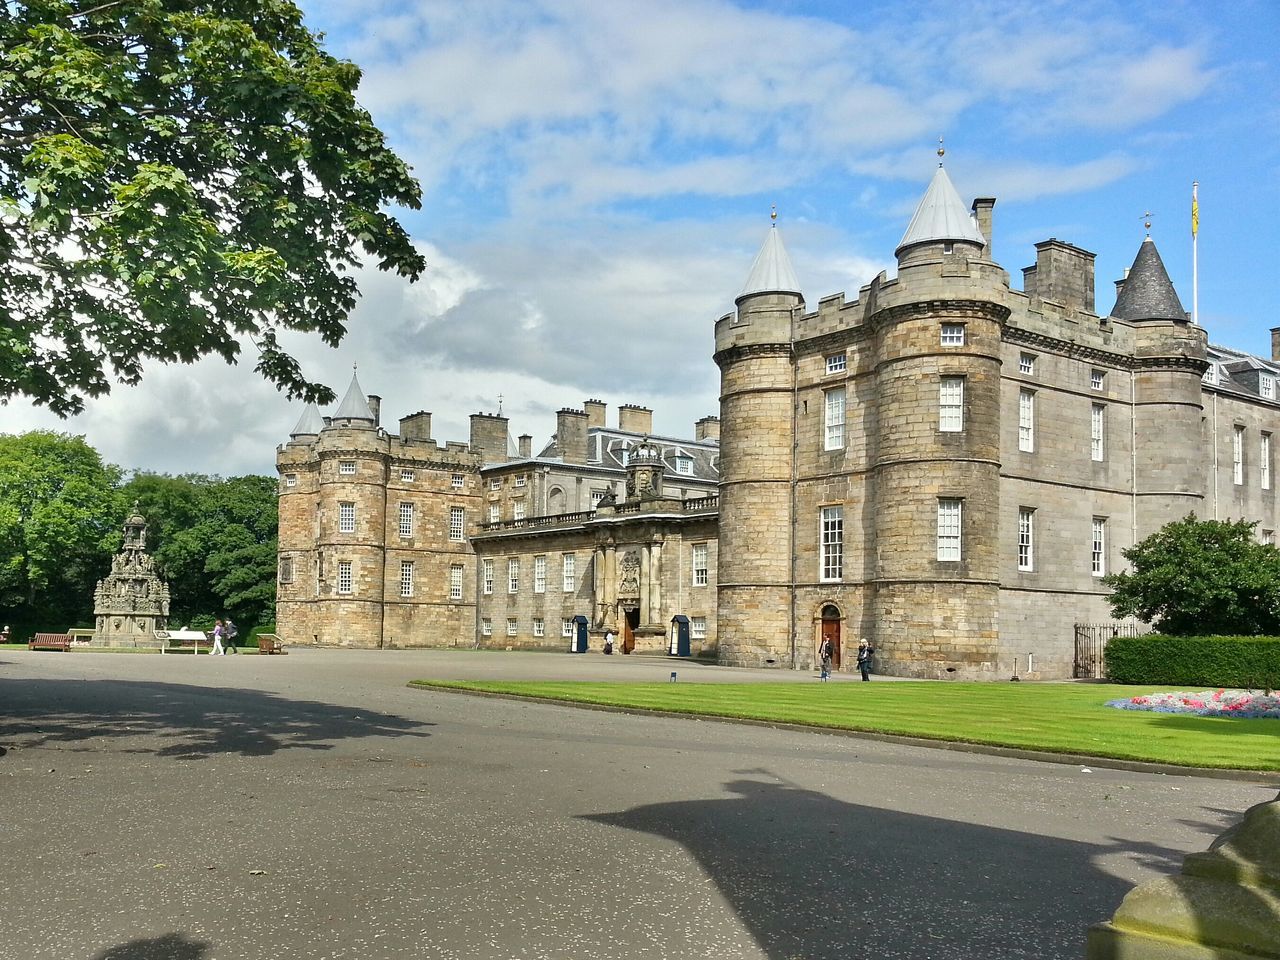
x=655 y=583
x=646 y=568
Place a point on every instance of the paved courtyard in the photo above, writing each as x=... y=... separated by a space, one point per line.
x=312 y=806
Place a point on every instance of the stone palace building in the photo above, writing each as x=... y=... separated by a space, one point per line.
x=945 y=465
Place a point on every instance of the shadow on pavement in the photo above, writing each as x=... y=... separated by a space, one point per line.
x=822 y=879
x=191 y=722
x=172 y=946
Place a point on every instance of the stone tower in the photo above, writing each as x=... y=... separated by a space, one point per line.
x=753 y=351
x=1169 y=362
x=935 y=467
x=132 y=602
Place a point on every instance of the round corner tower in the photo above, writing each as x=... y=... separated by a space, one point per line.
x=757 y=383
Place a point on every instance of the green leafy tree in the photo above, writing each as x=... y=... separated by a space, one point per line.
x=1201 y=577
x=178 y=177
x=60 y=516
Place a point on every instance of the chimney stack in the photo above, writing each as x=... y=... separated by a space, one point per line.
x=982 y=209
x=489 y=436
x=1063 y=274
x=375 y=405
x=526 y=445
x=416 y=426
x=1275 y=344
x=571 y=435
x=595 y=412
x=708 y=428
x=635 y=419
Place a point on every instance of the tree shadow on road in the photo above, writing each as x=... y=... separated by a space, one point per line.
x=189 y=722
x=171 y=946
x=817 y=878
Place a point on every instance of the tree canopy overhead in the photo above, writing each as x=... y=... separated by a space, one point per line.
x=1201 y=577
x=177 y=176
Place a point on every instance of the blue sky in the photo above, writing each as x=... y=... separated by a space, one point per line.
x=598 y=176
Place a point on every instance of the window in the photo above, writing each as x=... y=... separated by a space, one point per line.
x=286 y=569
x=699 y=564
x=290 y=479
x=344 y=576
x=346 y=467
x=569 y=575
x=1026 y=538
x=455 y=582
x=513 y=576
x=596 y=497
x=1264 y=461
x=486 y=627
x=407 y=476
x=1027 y=420
x=539 y=627
x=406 y=578
x=346 y=518
x=456 y=481
x=949 y=526
x=511 y=626
x=1027 y=363
x=1269 y=537
x=832 y=527
x=1098 y=557
x=566 y=628
x=698 y=628
x=1237 y=455
x=948 y=247
x=834 y=419
x=951 y=404
x=1267 y=386
x=522 y=479
x=517 y=509
x=494 y=512
x=495 y=483
x=406 y=519
x=684 y=465
x=457 y=520
x=540 y=574
x=835 y=363
x=486 y=576
x=953 y=334
x=1096 y=379
x=1097 y=431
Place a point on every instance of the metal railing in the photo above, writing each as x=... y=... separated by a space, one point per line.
x=1091 y=645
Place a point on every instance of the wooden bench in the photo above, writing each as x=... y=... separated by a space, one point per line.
x=269 y=643
x=50 y=641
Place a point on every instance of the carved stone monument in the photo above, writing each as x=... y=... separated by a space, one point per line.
x=132 y=603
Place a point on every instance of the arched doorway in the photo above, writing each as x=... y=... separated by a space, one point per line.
x=831 y=631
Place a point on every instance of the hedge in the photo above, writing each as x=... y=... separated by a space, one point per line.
x=1248 y=662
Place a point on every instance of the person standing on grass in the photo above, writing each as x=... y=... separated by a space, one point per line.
x=865 y=652
x=824 y=654
x=217 y=640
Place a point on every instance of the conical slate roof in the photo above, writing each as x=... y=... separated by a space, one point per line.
x=940 y=216
x=354 y=406
x=771 y=272
x=1147 y=293
x=309 y=424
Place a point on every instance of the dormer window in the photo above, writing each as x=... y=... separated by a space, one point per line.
x=1267 y=386
x=1211 y=375
x=684 y=465
x=953 y=334
x=836 y=363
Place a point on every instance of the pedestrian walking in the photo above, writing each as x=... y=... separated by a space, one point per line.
x=217 y=640
x=865 y=652
x=229 y=634
x=825 y=653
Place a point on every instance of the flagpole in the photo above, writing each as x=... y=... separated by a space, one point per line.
x=1195 y=260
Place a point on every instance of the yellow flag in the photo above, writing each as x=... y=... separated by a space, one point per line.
x=1195 y=211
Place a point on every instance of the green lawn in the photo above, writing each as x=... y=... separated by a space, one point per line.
x=1059 y=718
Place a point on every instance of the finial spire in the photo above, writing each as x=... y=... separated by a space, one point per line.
x=773 y=214
x=499 y=404
x=942 y=151
x=1146 y=222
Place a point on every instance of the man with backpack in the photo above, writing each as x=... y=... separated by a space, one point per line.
x=229 y=633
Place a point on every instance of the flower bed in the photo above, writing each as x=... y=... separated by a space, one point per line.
x=1207 y=703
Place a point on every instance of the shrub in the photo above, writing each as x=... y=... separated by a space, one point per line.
x=1249 y=662
x=253 y=634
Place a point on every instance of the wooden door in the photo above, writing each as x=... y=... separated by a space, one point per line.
x=831 y=631
x=629 y=625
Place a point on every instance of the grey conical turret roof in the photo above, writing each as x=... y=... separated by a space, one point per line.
x=771 y=272
x=309 y=424
x=354 y=406
x=940 y=216
x=1147 y=293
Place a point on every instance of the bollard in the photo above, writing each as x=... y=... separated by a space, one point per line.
x=673 y=676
